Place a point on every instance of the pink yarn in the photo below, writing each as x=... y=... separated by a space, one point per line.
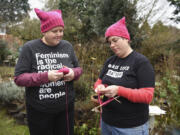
x=64 y=70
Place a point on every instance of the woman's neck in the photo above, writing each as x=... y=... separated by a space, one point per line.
x=44 y=41
x=128 y=51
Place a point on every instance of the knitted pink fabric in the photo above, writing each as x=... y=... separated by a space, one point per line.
x=49 y=19
x=118 y=29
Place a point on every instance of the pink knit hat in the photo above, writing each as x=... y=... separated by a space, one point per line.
x=118 y=29
x=49 y=19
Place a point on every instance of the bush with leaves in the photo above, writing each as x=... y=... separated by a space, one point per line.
x=159 y=43
x=84 y=130
x=3 y=50
x=167 y=96
x=9 y=92
x=28 y=30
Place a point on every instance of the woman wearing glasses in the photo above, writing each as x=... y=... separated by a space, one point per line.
x=129 y=76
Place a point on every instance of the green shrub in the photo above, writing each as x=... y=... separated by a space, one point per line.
x=167 y=96
x=9 y=91
x=83 y=88
x=3 y=50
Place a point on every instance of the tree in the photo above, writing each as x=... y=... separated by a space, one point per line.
x=84 y=13
x=27 y=30
x=13 y=10
x=51 y=4
x=158 y=42
x=3 y=50
x=176 y=3
x=95 y=19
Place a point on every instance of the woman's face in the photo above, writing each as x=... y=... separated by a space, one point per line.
x=119 y=46
x=53 y=36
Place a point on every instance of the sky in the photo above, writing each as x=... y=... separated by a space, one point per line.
x=165 y=11
x=35 y=4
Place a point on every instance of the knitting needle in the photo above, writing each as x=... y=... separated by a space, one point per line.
x=114 y=98
x=117 y=100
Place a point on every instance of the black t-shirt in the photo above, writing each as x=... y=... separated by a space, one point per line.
x=37 y=57
x=134 y=71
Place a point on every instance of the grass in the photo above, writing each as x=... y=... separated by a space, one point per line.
x=8 y=125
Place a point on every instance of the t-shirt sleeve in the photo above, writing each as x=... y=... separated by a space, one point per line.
x=24 y=61
x=74 y=58
x=145 y=74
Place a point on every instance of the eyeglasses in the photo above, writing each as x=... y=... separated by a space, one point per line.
x=114 y=40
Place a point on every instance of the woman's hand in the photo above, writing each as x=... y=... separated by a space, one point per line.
x=99 y=88
x=70 y=76
x=110 y=91
x=54 y=76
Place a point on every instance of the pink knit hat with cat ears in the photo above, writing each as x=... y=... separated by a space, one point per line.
x=49 y=19
x=118 y=29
